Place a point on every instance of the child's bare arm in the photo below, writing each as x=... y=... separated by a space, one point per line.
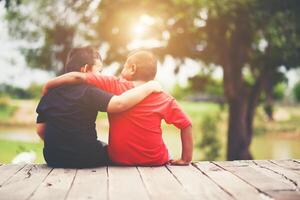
x=132 y=97
x=40 y=129
x=187 y=147
x=68 y=78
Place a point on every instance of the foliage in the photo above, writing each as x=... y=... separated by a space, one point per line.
x=296 y=91
x=206 y=84
x=34 y=91
x=200 y=87
x=6 y=110
x=279 y=91
x=207 y=30
x=50 y=29
x=210 y=144
x=14 y=92
x=8 y=2
x=179 y=92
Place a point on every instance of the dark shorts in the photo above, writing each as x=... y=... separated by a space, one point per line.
x=60 y=159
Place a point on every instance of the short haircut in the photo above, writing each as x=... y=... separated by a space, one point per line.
x=146 y=64
x=80 y=56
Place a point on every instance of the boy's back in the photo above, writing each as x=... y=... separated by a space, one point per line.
x=70 y=136
x=135 y=136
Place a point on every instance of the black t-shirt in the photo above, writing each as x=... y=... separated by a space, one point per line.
x=70 y=135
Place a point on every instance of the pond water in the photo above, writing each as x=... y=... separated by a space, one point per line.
x=276 y=146
x=267 y=146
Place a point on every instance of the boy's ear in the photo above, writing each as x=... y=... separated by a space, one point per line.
x=133 y=69
x=84 y=69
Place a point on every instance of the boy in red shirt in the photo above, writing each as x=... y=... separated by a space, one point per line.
x=135 y=136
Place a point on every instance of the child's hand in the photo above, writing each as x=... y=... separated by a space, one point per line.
x=179 y=162
x=155 y=86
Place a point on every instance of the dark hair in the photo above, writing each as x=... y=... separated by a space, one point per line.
x=80 y=56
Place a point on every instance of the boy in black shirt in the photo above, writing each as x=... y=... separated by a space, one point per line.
x=67 y=115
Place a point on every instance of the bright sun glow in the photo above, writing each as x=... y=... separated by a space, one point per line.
x=140 y=38
x=139 y=29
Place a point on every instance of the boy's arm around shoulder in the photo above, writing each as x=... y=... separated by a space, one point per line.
x=68 y=78
x=130 y=98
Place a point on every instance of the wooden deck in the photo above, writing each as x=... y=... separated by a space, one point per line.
x=259 y=179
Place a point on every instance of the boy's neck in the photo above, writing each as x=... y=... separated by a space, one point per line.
x=137 y=83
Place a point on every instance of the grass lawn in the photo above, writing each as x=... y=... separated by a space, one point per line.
x=9 y=149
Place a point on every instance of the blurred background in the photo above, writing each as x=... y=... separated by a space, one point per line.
x=233 y=66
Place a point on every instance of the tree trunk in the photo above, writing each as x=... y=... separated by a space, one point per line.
x=237 y=144
x=251 y=108
x=268 y=85
x=233 y=60
x=237 y=98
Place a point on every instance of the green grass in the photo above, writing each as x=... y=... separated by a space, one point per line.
x=12 y=148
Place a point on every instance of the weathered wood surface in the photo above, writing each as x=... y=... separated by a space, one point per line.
x=257 y=179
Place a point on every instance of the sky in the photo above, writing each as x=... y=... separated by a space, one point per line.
x=13 y=68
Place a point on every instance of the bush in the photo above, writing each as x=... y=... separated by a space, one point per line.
x=206 y=84
x=210 y=144
x=296 y=91
x=6 y=110
x=279 y=91
x=179 y=92
x=34 y=91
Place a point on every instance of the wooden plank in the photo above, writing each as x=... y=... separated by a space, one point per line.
x=89 y=184
x=56 y=185
x=255 y=178
x=269 y=173
x=234 y=163
x=285 y=173
x=161 y=184
x=125 y=183
x=284 y=195
x=25 y=182
x=231 y=183
x=7 y=171
x=288 y=164
x=197 y=184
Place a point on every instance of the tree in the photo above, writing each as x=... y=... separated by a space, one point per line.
x=50 y=29
x=225 y=33
x=8 y=2
x=229 y=34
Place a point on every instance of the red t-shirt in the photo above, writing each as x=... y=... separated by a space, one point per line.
x=135 y=136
